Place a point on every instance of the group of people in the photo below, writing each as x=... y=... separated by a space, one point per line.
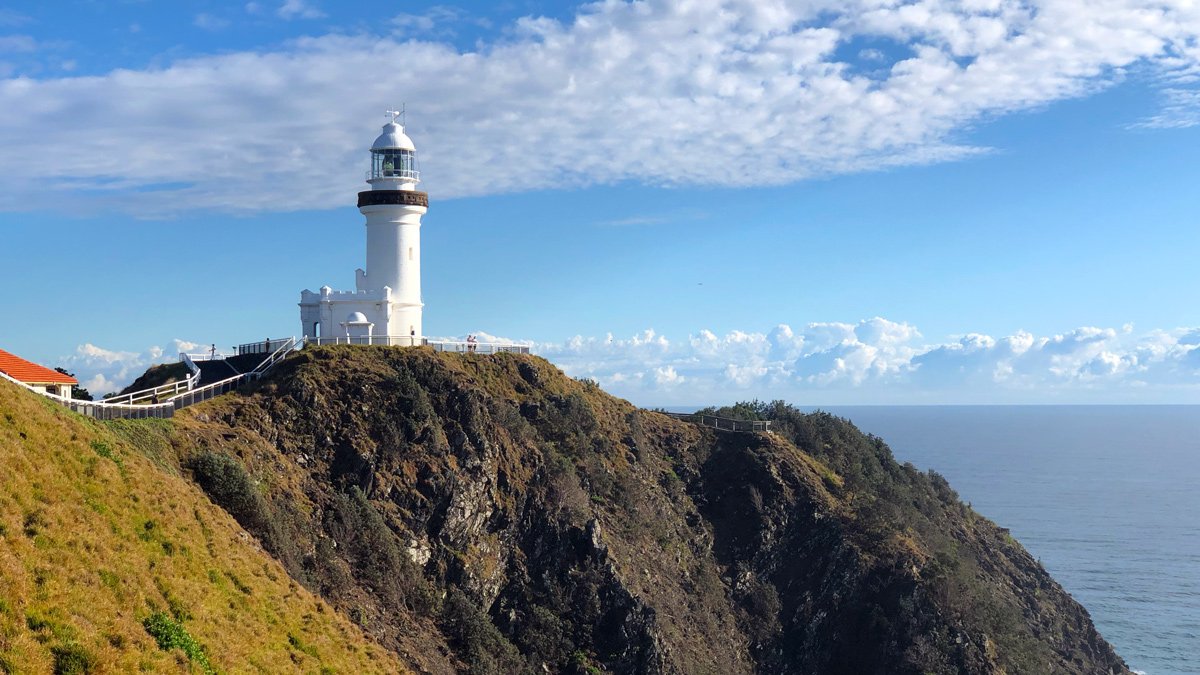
x=471 y=341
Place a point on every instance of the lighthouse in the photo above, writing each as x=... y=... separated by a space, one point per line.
x=385 y=307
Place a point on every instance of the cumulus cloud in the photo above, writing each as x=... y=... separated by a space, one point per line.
x=102 y=371
x=878 y=360
x=654 y=92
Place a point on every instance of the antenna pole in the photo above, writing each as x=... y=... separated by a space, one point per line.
x=398 y=113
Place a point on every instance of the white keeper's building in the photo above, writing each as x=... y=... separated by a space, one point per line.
x=385 y=307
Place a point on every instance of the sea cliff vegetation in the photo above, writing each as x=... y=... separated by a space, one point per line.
x=487 y=514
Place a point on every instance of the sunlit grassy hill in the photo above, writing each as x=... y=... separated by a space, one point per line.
x=111 y=563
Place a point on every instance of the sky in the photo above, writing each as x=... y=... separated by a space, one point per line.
x=863 y=202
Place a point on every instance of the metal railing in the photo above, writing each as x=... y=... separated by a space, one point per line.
x=206 y=392
x=723 y=423
x=412 y=174
x=283 y=347
x=208 y=356
x=411 y=341
x=163 y=391
x=377 y=340
x=186 y=360
x=186 y=393
x=479 y=347
x=267 y=346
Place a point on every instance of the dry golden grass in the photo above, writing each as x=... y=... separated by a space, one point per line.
x=94 y=537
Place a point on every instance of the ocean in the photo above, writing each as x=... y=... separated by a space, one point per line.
x=1107 y=497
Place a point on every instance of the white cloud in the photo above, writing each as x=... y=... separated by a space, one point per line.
x=439 y=21
x=621 y=92
x=667 y=377
x=101 y=370
x=17 y=44
x=1181 y=109
x=872 y=361
x=209 y=22
x=880 y=361
x=296 y=9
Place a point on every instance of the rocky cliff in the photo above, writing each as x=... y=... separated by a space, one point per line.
x=488 y=514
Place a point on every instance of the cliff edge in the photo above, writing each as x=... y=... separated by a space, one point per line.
x=489 y=514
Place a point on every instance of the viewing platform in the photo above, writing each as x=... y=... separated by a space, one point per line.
x=409 y=341
x=724 y=423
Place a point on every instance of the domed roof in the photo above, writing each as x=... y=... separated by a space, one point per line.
x=357 y=317
x=393 y=138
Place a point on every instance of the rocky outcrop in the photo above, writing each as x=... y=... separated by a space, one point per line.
x=487 y=513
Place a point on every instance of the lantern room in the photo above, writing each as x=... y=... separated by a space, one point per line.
x=393 y=158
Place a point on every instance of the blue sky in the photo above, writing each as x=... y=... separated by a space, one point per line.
x=977 y=201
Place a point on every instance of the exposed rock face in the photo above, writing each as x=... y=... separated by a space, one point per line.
x=486 y=513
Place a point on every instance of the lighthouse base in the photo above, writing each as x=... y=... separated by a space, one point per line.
x=361 y=314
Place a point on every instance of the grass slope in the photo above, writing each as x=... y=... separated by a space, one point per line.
x=104 y=556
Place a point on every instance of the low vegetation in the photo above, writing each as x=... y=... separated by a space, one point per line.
x=105 y=558
x=487 y=514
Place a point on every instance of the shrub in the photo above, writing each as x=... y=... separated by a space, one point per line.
x=72 y=659
x=481 y=643
x=170 y=634
x=226 y=482
x=374 y=552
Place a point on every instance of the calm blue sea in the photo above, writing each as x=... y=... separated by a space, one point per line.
x=1108 y=497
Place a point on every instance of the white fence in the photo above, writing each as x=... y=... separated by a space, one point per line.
x=723 y=423
x=379 y=340
x=211 y=355
x=161 y=392
x=479 y=347
x=410 y=341
x=268 y=346
x=102 y=410
x=185 y=392
x=208 y=391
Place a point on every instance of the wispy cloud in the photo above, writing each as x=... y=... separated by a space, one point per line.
x=297 y=9
x=641 y=219
x=437 y=21
x=713 y=92
x=209 y=22
x=19 y=44
x=1181 y=109
x=10 y=18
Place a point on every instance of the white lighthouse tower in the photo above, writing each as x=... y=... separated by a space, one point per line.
x=385 y=307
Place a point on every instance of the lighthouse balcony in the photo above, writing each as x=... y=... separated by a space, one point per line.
x=393 y=197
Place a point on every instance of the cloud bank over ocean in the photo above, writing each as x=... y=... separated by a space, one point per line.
x=872 y=361
x=882 y=361
x=653 y=92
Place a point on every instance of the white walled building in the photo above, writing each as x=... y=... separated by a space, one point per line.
x=35 y=376
x=385 y=306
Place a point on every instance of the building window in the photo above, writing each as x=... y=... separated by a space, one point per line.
x=410 y=253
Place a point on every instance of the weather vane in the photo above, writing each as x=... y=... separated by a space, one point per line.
x=397 y=113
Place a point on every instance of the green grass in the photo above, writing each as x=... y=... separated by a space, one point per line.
x=97 y=535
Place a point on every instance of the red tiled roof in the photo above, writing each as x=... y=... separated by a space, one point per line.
x=30 y=372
